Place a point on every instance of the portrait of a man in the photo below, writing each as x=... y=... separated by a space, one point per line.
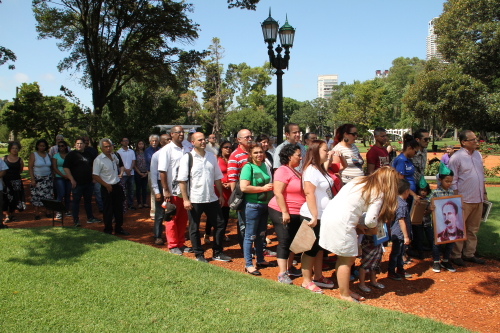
x=448 y=221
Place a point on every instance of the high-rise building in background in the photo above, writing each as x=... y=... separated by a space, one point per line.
x=431 y=41
x=325 y=85
x=381 y=74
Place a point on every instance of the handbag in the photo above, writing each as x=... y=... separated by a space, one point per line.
x=237 y=197
x=304 y=239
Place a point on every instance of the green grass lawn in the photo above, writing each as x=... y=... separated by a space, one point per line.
x=79 y=280
x=489 y=233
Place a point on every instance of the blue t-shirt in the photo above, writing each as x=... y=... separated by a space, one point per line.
x=401 y=212
x=405 y=167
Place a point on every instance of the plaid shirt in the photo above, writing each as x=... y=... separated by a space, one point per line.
x=419 y=162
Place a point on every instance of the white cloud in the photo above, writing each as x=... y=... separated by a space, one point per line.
x=21 y=77
x=47 y=77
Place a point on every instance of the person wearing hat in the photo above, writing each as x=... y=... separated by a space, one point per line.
x=187 y=143
x=104 y=172
x=329 y=141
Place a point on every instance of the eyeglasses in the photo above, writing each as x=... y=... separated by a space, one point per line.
x=354 y=133
x=427 y=139
x=475 y=139
x=246 y=137
x=178 y=132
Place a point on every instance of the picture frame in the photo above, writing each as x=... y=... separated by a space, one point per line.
x=486 y=210
x=417 y=211
x=448 y=221
x=382 y=234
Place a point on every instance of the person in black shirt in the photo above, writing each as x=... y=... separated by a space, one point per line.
x=97 y=186
x=78 y=167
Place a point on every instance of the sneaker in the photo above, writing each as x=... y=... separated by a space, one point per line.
x=93 y=220
x=201 y=258
x=186 y=249
x=448 y=266
x=458 y=261
x=284 y=278
x=475 y=260
x=68 y=214
x=58 y=216
x=403 y=273
x=221 y=257
x=292 y=271
x=323 y=282
x=269 y=253
x=394 y=276
x=436 y=267
x=131 y=208
x=175 y=250
x=159 y=241
x=77 y=224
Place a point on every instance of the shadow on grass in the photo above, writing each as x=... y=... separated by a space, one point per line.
x=489 y=287
x=488 y=240
x=56 y=246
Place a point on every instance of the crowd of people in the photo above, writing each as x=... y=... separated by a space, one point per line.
x=322 y=186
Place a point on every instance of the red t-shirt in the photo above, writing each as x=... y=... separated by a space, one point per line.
x=226 y=192
x=293 y=194
x=378 y=157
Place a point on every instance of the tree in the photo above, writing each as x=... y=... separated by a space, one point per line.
x=250 y=82
x=444 y=95
x=307 y=115
x=469 y=35
x=37 y=116
x=290 y=106
x=255 y=120
x=7 y=55
x=112 y=42
x=243 y=4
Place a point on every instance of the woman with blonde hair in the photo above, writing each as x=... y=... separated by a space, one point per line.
x=376 y=195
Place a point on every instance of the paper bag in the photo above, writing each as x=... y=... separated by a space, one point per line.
x=304 y=239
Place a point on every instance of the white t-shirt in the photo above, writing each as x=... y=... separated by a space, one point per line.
x=168 y=161
x=354 y=162
x=106 y=168
x=323 y=184
x=204 y=172
x=127 y=157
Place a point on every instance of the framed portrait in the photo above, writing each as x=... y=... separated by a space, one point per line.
x=382 y=234
x=486 y=210
x=448 y=220
x=417 y=211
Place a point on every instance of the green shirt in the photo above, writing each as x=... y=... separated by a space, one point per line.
x=257 y=176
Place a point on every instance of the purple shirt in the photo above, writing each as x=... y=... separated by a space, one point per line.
x=468 y=177
x=445 y=159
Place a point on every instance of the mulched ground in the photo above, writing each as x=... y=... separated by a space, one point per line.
x=469 y=298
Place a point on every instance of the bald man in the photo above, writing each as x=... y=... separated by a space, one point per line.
x=198 y=173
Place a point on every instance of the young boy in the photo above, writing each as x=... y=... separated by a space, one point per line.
x=444 y=190
x=400 y=233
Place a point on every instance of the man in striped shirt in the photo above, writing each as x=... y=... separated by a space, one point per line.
x=237 y=160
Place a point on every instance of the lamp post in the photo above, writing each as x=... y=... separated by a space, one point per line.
x=287 y=33
x=320 y=118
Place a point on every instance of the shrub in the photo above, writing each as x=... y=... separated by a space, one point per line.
x=489 y=148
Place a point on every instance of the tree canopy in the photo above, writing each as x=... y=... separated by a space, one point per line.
x=111 y=42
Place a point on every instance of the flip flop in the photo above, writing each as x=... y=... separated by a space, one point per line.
x=364 y=288
x=350 y=300
x=357 y=297
x=377 y=285
x=312 y=287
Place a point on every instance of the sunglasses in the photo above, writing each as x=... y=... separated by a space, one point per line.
x=354 y=133
x=427 y=139
x=226 y=147
x=178 y=132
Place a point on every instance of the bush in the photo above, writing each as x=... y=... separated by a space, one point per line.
x=492 y=173
x=432 y=168
x=489 y=148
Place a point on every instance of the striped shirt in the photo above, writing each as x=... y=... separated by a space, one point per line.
x=236 y=161
x=468 y=177
x=354 y=162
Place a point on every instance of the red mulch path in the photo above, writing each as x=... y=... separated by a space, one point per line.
x=469 y=298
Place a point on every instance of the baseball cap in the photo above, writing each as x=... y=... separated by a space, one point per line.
x=192 y=130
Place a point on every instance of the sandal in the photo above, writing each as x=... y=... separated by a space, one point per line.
x=364 y=288
x=265 y=264
x=312 y=287
x=350 y=299
x=378 y=285
x=357 y=297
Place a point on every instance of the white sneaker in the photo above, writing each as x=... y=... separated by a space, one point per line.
x=58 y=216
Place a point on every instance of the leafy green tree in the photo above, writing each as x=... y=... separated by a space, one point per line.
x=37 y=116
x=243 y=4
x=113 y=42
x=469 y=35
x=250 y=83
x=255 y=120
x=444 y=95
x=307 y=115
x=290 y=106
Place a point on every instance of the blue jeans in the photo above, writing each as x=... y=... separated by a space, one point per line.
x=255 y=227
x=98 y=197
x=396 y=256
x=85 y=190
x=141 y=185
x=63 y=188
x=128 y=181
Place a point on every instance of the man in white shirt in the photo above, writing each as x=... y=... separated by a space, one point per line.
x=105 y=172
x=197 y=187
x=168 y=166
x=128 y=158
x=292 y=133
x=212 y=145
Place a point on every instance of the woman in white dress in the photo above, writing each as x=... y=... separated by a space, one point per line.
x=377 y=196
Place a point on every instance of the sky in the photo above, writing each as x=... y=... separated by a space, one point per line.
x=349 y=38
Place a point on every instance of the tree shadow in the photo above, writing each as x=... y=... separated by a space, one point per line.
x=57 y=246
x=489 y=287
